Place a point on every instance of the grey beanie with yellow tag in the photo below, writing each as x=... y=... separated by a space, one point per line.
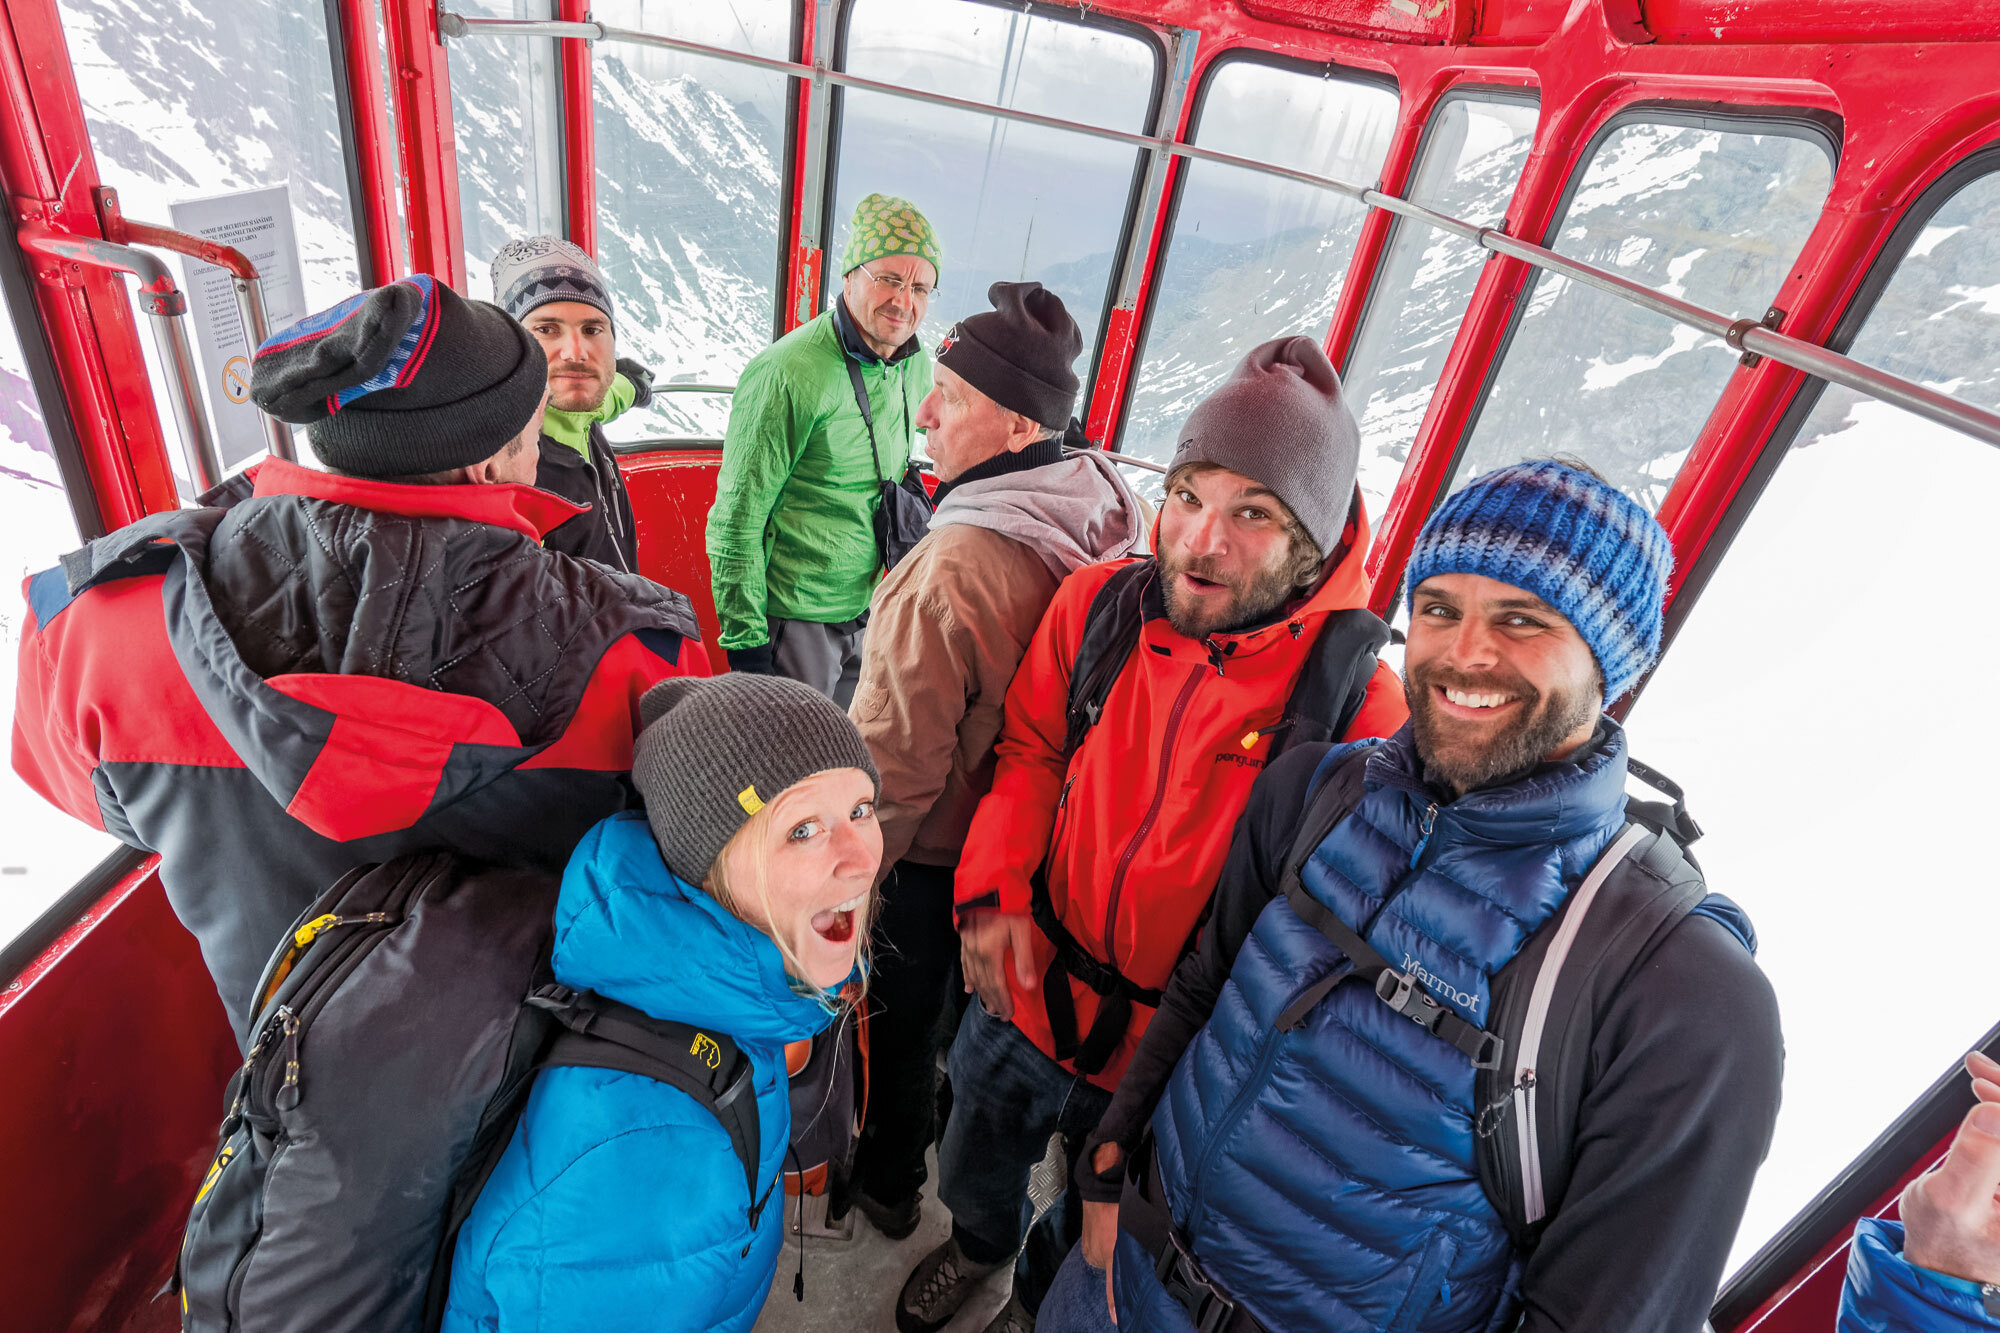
x=714 y=751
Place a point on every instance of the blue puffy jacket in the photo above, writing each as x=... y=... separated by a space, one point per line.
x=1325 y=1176
x=1886 y=1293
x=620 y=1204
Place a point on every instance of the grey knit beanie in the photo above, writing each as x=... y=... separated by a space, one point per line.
x=1280 y=420
x=536 y=270
x=714 y=750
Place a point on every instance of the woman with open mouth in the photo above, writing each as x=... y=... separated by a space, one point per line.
x=737 y=903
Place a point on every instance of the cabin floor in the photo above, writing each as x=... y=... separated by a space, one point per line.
x=852 y=1284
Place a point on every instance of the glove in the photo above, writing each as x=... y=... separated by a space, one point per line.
x=642 y=381
x=757 y=661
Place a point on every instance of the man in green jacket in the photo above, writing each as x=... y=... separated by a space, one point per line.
x=791 y=540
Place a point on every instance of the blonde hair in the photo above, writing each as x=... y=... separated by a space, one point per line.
x=720 y=884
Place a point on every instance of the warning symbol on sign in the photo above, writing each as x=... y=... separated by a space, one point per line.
x=236 y=379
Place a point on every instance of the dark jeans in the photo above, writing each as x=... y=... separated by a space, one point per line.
x=1007 y=1099
x=914 y=1000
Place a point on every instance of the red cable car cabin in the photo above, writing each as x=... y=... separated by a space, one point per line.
x=1666 y=217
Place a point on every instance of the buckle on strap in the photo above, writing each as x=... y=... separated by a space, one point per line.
x=1408 y=997
x=1207 y=1304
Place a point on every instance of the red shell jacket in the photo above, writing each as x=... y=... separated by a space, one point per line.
x=1136 y=824
x=328 y=673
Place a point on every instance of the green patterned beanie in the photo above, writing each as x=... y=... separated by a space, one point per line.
x=885 y=225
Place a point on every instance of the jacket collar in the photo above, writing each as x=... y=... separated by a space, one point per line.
x=1039 y=454
x=1551 y=802
x=525 y=510
x=857 y=347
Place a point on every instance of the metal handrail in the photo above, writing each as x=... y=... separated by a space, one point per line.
x=165 y=308
x=243 y=276
x=1129 y=460
x=1749 y=336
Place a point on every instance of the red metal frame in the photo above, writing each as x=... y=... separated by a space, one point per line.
x=424 y=132
x=802 y=294
x=579 y=129
x=372 y=145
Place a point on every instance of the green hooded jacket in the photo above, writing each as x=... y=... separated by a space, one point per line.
x=792 y=533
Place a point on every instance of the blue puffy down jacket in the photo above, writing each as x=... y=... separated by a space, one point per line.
x=620 y=1204
x=1325 y=1176
x=1886 y=1293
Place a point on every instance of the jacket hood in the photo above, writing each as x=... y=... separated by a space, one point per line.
x=361 y=697
x=630 y=929
x=1071 y=513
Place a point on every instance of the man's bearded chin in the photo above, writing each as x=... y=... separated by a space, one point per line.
x=1245 y=608
x=579 y=398
x=1457 y=756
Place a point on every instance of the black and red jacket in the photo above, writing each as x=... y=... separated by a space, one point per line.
x=331 y=672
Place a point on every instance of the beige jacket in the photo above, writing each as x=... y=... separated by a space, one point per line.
x=950 y=624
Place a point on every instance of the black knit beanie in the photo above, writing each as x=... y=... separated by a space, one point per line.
x=403 y=380
x=715 y=750
x=1019 y=353
x=1280 y=420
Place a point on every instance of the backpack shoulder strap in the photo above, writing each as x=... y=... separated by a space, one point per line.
x=1548 y=1004
x=1110 y=633
x=1335 y=790
x=1334 y=684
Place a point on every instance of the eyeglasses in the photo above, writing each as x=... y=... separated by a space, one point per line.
x=893 y=284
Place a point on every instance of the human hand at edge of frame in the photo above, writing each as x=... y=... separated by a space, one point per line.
x=985 y=938
x=1100 y=1225
x=1951 y=1215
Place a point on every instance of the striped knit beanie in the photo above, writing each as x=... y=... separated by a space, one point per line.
x=536 y=270
x=1578 y=543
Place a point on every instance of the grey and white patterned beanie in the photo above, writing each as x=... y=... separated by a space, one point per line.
x=715 y=750
x=536 y=270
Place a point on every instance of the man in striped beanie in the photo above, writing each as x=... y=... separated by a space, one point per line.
x=1418 y=870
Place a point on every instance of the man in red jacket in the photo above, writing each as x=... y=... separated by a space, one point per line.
x=1089 y=867
x=342 y=666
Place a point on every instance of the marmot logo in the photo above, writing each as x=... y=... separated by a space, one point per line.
x=1439 y=984
x=706 y=1051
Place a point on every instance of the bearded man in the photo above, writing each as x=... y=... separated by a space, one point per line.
x=1089 y=865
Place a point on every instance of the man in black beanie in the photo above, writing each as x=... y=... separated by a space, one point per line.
x=342 y=666
x=1015 y=516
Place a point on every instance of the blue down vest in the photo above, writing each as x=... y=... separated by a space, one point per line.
x=1325 y=1177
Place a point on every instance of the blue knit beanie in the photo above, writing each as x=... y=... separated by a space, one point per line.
x=1580 y=544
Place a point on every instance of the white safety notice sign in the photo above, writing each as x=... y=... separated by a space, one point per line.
x=259 y=223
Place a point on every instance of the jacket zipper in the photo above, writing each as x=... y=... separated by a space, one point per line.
x=1245 y=1096
x=1152 y=811
x=1424 y=827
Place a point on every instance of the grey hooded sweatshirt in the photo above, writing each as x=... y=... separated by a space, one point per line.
x=948 y=627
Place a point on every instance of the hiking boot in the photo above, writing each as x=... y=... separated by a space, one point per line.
x=897 y=1220
x=944 y=1280
x=1013 y=1318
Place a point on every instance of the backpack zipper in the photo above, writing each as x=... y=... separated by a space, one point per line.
x=288 y=1092
x=319 y=925
x=1152 y=811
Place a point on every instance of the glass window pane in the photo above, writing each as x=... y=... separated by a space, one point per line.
x=690 y=153
x=181 y=110
x=1473 y=153
x=1763 y=697
x=1708 y=215
x=43 y=851
x=1010 y=202
x=506 y=120
x=1254 y=257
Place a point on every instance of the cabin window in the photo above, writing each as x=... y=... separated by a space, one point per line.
x=1253 y=256
x=506 y=121
x=37 y=527
x=1822 y=706
x=1691 y=207
x=240 y=102
x=1011 y=202
x=1473 y=152
x=690 y=197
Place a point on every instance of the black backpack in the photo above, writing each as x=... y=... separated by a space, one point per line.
x=1323 y=704
x=396 y=1033
x=1533 y=1061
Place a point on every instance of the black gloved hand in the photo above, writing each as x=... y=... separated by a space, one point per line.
x=757 y=661
x=642 y=380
